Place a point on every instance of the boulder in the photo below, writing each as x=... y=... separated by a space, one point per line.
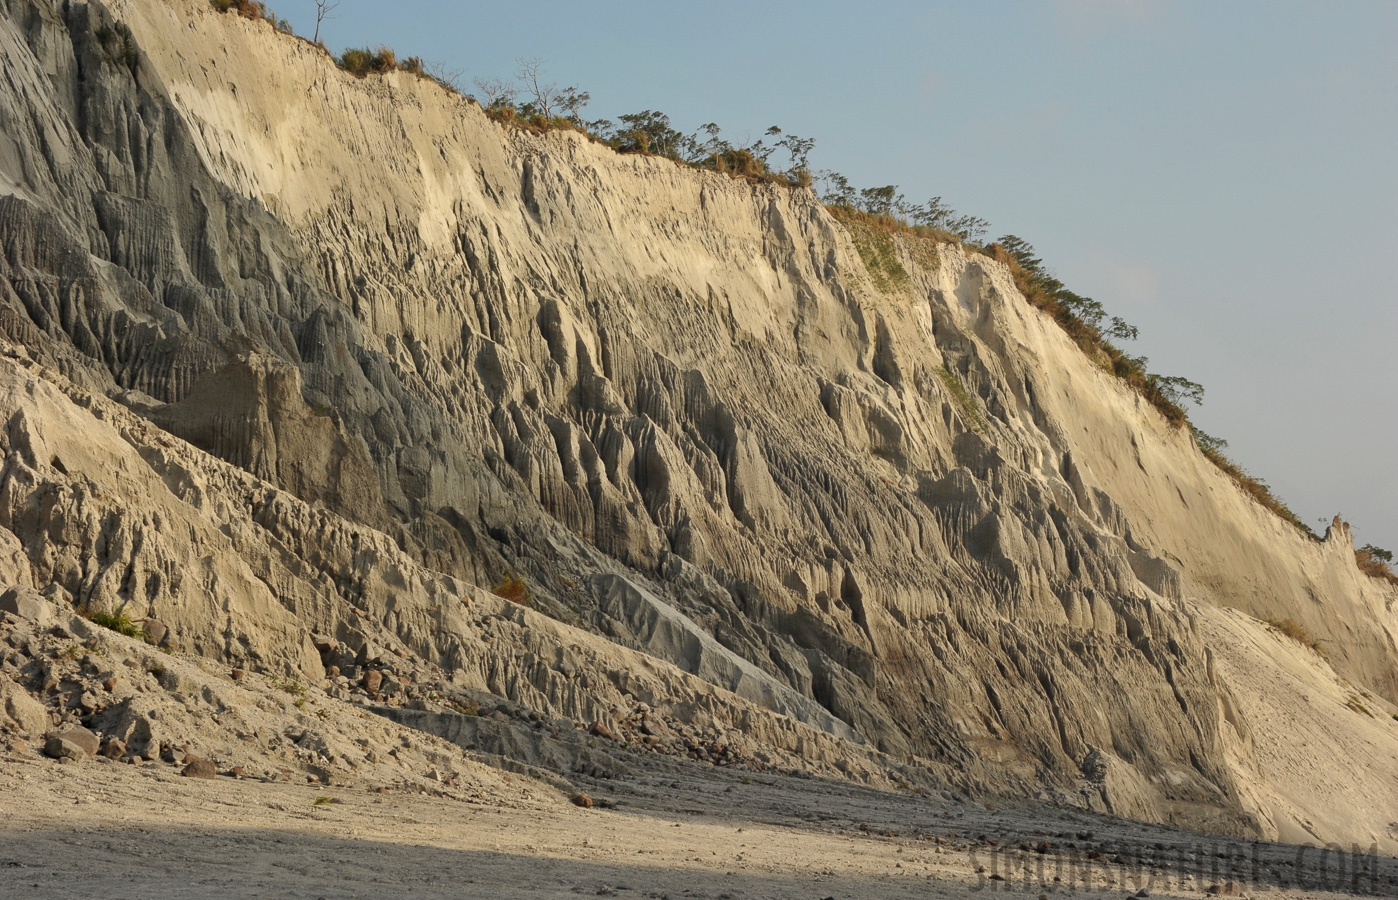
x=73 y=743
x=19 y=707
x=27 y=603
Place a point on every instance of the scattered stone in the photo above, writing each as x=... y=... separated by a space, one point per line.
x=601 y=730
x=114 y=748
x=239 y=674
x=582 y=800
x=373 y=681
x=1230 y=889
x=110 y=684
x=198 y=767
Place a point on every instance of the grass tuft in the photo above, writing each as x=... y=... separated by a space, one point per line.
x=118 y=622
x=1296 y=631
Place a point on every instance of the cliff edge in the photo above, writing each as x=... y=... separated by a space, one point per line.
x=294 y=353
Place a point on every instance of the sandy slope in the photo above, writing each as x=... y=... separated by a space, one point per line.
x=1298 y=718
x=119 y=831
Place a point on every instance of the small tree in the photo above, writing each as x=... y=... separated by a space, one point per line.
x=323 y=10
x=497 y=93
x=530 y=73
x=571 y=102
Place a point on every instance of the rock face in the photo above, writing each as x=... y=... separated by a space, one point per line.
x=293 y=353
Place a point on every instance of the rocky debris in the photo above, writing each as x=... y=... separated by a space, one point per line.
x=583 y=800
x=167 y=709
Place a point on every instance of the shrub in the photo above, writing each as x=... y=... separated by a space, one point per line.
x=1375 y=562
x=361 y=61
x=250 y=9
x=513 y=589
x=292 y=686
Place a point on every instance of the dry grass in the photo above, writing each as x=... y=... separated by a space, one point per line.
x=1258 y=489
x=362 y=62
x=1296 y=631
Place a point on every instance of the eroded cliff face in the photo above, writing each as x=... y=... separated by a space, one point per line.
x=676 y=403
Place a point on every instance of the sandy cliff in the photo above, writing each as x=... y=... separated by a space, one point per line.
x=295 y=352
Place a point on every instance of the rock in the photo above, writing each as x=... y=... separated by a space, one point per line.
x=198 y=767
x=238 y=674
x=27 y=603
x=601 y=730
x=109 y=684
x=324 y=644
x=75 y=743
x=582 y=800
x=1228 y=889
x=373 y=681
x=113 y=748
x=157 y=631
x=369 y=652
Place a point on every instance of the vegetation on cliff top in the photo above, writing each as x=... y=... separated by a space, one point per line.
x=873 y=215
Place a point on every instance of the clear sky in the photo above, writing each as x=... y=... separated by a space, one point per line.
x=1224 y=175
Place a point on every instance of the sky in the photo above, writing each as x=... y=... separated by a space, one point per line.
x=1224 y=176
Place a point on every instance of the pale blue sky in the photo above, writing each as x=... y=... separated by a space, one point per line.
x=1220 y=174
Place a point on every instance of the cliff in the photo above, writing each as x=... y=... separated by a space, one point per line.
x=294 y=353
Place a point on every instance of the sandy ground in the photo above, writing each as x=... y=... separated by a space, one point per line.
x=676 y=830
